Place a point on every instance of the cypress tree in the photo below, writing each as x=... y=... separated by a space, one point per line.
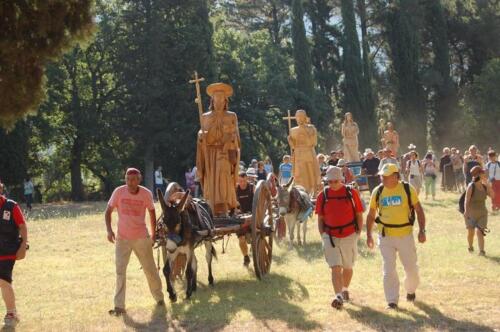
x=356 y=99
x=403 y=35
x=302 y=60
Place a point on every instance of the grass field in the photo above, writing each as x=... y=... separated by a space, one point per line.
x=67 y=283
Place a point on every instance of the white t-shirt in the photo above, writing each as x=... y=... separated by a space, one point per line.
x=493 y=170
x=158 y=177
x=414 y=167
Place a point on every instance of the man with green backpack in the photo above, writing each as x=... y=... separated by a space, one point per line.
x=393 y=206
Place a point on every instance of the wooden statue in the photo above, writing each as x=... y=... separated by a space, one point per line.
x=218 y=150
x=350 y=132
x=303 y=140
x=391 y=139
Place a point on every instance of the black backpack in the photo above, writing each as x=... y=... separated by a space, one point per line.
x=461 y=201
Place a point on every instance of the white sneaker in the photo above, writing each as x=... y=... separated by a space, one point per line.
x=11 y=320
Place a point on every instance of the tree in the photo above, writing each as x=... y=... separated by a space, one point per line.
x=31 y=34
x=357 y=89
x=403 y=26
x=160 y=46
x=302 y=61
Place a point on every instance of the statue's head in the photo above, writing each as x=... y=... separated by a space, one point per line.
x=301 y=117
x=348 y=117
x=220 y=93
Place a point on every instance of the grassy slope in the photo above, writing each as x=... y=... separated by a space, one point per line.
x=67 y=283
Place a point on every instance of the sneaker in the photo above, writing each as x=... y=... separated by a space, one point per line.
x=471 y=249
x=482 y=253
x=246 y=260
x=11 y=320
x=116 y=311
x=337 y=303
x=410 y=297
x=345 y=296
x=392 y=306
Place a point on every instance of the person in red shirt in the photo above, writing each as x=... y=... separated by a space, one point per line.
x=13 y=242
x=340 y=220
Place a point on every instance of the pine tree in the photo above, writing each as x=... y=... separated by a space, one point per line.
x=31 y=34
x=302 y=60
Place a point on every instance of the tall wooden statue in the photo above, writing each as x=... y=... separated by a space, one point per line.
x=218 y=150
x=303 y=140
x=350 y=133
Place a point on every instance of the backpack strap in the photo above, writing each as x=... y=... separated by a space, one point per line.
x=411 y=218
x=406 y=185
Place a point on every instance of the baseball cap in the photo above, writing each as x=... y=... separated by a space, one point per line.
x=341 y=162
x=389 y=169
x=334 y=173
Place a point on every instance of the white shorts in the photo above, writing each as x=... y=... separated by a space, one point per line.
x=344 y=253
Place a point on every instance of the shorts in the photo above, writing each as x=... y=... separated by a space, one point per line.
x=6 y=267
x=481 y=222
x=345 y=251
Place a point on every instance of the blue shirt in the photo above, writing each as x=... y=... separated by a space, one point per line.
x=286 y=170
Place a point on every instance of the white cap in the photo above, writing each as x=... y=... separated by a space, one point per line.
x=334 y=173
x=341 y=162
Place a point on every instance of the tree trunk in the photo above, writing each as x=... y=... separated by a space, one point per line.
x=76 y=170
x=149 y=167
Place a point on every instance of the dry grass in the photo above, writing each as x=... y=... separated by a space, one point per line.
x=67 y=283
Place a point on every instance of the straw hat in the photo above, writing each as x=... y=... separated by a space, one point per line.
x=220 y=87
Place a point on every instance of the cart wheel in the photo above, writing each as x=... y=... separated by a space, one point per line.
x=262 y=229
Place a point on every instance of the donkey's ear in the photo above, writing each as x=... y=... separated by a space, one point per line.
x=182 y=203
x=161 y=199
x=289 y=185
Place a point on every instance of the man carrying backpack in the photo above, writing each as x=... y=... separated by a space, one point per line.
x=340 y=219
x=13 y=244
x=393 y=206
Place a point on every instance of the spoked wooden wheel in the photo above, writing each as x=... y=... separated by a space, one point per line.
x=262 y=230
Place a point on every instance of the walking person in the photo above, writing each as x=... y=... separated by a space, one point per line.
x=457 y=162
x=29 y=188
x=13 y=244
x=159 y=180
x=393 y=206
x=429 y=167
x=493 y=172
x=340 y=220
x=261 y=171
x=414 y=172
x=476 y=214
x=132 y=200
x=285 y=170
x=268 y=165
x=473 y=159
x=446 y=169
x=370 y=168
x=244 y=195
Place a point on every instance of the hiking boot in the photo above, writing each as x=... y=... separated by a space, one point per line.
x=345 y=296
x=482 y=253
x=246 y=260
x=410 y=297
x=392 y=306
x=471 y=249
x=11 y=320
x=337 y=303
x=116 y=311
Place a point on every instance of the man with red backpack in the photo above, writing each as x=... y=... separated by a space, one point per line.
x=340 y=220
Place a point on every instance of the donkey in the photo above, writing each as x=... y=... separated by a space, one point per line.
x=180 y=226
x=295 y=207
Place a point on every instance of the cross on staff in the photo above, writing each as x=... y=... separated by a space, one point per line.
x=198 y=101
x=289 y=118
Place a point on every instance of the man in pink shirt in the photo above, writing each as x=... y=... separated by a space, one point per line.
x=132 y=201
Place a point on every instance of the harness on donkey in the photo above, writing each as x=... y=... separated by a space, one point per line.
x=340 y=228
x=411 y=217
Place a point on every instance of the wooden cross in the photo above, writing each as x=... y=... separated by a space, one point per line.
x=289 y=118
x=198 y=101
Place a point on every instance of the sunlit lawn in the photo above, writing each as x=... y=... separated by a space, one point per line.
x=67 y=283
